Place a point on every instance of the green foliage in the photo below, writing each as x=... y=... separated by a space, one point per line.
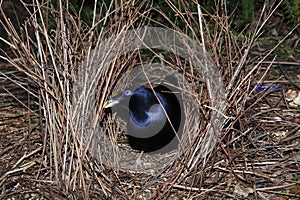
x=247 y=10
x=292 y=10
x=296 y=177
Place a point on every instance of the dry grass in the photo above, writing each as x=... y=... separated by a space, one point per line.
x=52 y=123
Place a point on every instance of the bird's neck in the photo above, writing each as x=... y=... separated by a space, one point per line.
x=139 y=111
x=145 y=110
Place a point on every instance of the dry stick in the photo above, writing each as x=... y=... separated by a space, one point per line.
x=211 y=146
x=22 y=167
x=47 y=110
x=26 y=156
x=92 y=132
x=21 y=86
x=258 y=82
x=12 y=31
x=243 y=60
x=83 y=98
x=66 y=81
x=256 y=66
x=165 y=112
x=7 y=42
x=13 y=62
x=12 y=95
x=280 y=62
x=276 y=187
x=247 y=51
x=280 y=193
x=175 y=9
x=192 y=162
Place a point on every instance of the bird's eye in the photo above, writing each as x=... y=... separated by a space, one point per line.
x=127 y=92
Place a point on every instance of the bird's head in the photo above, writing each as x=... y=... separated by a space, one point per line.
x=142 y=104
x=146 y=110
x=121 y=99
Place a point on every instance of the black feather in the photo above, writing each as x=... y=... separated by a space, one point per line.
x=145 y=112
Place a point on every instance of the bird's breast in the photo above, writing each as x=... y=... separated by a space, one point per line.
x=156 y=119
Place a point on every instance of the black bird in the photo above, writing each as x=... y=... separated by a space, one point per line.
x=153 y=116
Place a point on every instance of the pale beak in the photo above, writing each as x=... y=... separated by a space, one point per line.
x=111 y=103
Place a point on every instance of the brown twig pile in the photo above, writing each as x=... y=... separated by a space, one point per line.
x=56 y=140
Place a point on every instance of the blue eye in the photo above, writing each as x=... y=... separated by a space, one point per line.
x=127 y=92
